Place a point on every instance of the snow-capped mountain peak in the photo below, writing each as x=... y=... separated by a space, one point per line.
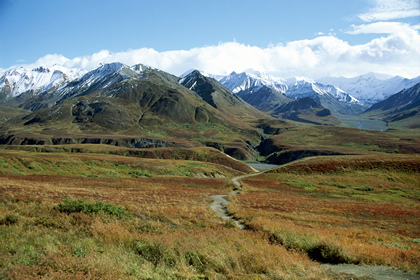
x=243 y=81
x=100 y=77
x=303 y=87
x=140 y=68
x=19 y=80
x=299 y=81
x=371 y=87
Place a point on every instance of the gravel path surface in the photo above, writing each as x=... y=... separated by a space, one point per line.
x=371 y=272
x=219 y=207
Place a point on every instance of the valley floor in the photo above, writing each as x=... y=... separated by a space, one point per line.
x=343 y=210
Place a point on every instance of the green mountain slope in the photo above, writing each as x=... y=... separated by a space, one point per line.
x=151 y=106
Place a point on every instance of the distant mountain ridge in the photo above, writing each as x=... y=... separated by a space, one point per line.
x=243 y=81
x=267 y=93
x=42 y=87
x=402 y=107
x=370 y=89
x=328 y=96
x=262 y=91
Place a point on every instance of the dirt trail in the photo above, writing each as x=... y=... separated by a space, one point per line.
x=352 y=271
x=220 y=200
x=370 y=272
x=219 y=207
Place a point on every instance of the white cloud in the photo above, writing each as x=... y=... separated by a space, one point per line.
x=51 y=59
x=396 y=54
x=382 y=27
x=391 y=9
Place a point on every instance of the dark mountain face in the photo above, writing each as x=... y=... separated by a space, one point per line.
x=297 y=105
x=403 y=107
x=263 y=98
x=202 y=85
x=153 y=99
x=406 y=99
x=218 y=96
x=211 y=91
x=305 y=110
x=319 y=93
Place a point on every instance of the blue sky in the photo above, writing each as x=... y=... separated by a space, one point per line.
x=215 y=36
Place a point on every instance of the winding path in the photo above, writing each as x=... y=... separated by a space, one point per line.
x=219 y=205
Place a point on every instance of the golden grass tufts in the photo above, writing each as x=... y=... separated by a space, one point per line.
x=295 y=220
x=365 y=214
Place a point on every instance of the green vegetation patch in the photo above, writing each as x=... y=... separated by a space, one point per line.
x=350 y=186
x=302 y=184
x=9 y=220
x=155 y=253
x=139 y=174
x=78 y=205
x=364 y=188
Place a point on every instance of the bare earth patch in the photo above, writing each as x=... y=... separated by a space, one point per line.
x=371 y=272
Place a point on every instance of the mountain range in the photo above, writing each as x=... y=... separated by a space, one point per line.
x=39 y=87
x=270 y=94
x=131 y=106
x=400 y=109
x=140 y=104
x=371 y=88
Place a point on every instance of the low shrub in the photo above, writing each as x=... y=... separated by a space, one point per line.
x=9 y=220
x=326 y=253
x=364 y=188
x=155 y=253
x=78 y=205
x=317 y=250
x=298 y=183
x=338 y=185
x=196 y=260
x=139 y=174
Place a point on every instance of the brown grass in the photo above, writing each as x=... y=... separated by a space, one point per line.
x=296 y=215
x=173 y=234
x=344 y=140
x=358 y=209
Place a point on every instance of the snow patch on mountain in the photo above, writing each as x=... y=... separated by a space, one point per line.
x=243 y=81
x=99 y=78
x=371 y=88
x=15 y=81
x=295 y=88
x=312 y=89
x=19 y=80
x=140 y=68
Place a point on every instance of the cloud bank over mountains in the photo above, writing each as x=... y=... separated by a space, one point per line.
x=396 y=54
x=394 y=51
